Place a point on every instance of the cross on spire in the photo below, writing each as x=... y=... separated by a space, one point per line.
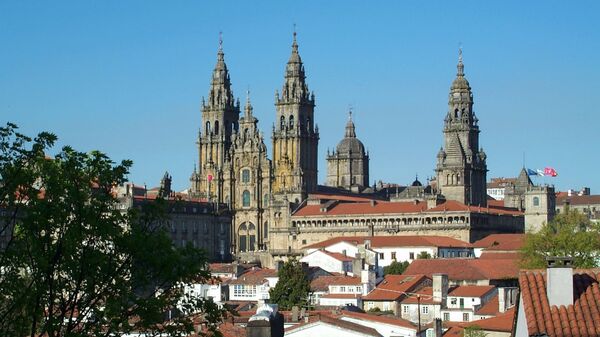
x=220 y=41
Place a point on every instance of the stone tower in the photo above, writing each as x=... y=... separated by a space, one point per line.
x=295 y=136
x=540 y=207
x=461 y=167
x=348 y=165
x=247 y=175
x=220 y=114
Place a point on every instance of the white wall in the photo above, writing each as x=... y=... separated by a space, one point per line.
x=326 y=262
x=386 y=330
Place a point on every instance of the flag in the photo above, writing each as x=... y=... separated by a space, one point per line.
x=549 y=171
x=540 y=172
x=209 y=178
x=531 y=172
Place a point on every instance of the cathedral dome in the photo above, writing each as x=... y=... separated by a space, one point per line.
x=350 y=144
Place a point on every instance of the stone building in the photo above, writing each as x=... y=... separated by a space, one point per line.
x=348 y=164
x=278 y=206
x=461 y=168
x=189 y=221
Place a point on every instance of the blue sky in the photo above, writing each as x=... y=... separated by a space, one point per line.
x=127 y=77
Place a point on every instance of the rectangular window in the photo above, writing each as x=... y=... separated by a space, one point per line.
x=425 y=309
x=466 y=317
x=405 y=309
x=342 y=289
x=381 y=256
x=411 y=255
x=393 y=255
x=446 y=316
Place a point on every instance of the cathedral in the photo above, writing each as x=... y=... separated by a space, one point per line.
x=277 y=204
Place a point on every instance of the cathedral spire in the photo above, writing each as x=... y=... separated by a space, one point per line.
x=460 y=66
x=350 y=129
x=295 y=88
x=220 y=93
x=248 y=110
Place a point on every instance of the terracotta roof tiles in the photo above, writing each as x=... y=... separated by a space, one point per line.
x=501 y=242
x=393 y=287
x=580 y=319
x=467 y=269
x=394 y=241
x=470 y=291
x=254 y=276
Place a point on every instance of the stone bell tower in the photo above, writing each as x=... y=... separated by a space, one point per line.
x=461 y=167
x=295 y=136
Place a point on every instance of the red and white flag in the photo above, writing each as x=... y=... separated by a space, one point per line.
x=549 y=171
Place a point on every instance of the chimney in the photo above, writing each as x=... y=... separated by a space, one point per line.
x=267 y=322
x=502 y=299
x=559 y=281
x=440 y=288
x=437 y=327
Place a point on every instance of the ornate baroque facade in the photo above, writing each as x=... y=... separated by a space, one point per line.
x=279 y=207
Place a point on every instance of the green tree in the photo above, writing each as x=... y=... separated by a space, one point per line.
x=424 y=255
x=473 y=331
x=395 y=268
x=72 y=263
x=568 y=234
x=293 y=287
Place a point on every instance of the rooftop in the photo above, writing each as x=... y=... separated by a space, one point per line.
x=467 y=269
x=580 y=319
x=394 y=287
x=470 y=291
x=394 y=241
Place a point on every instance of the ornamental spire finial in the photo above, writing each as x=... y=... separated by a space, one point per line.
x=220 y=41
x=460 y=66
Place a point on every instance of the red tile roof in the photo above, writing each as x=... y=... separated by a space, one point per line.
x=491 y=308
x=578 y=199
x=254 y=276
x=342 y=197
x=394 y=241
x=500 y=255
x=470 y=291
x=322 y=283
x=388 y=207
x=580 y=319
x=503 y=323
x=466 y=269
x=393 y=287
x=338 y=256
x=423 y=296
x=501 y=242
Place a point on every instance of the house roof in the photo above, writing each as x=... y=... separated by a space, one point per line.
x=322 y=283
x=578 y=199
x=254 y=276
x=334 y=321
x=338 y=256
x=221 y=268
x=580 y=319
x=394 y=241
x=501 y=242
x=467 y=269
x=500 y=255
x=393 y=287
x=422 y=296
x=503 y=323
x=470 y=291
x=389 y=207
x=491 y=308
x=380 y=319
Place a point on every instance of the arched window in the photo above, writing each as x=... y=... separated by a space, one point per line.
x=282 y=122
x=266 y=230
x=291 y=122
x=245 y=134
x=458 y=178
x=207 y=128
x=536 y=201
x=308 y=124
x=448 y=179
x=251 y=237
x=245 y=176
x=243 y=237
x=266 y=200
x=216 y=127
x=246 y=198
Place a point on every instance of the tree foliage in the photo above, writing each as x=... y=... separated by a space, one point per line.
x=293 y=287
x=71 y=262
x=569 y=234
x=395 y=268
x=424 y=255
x=473 y=331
